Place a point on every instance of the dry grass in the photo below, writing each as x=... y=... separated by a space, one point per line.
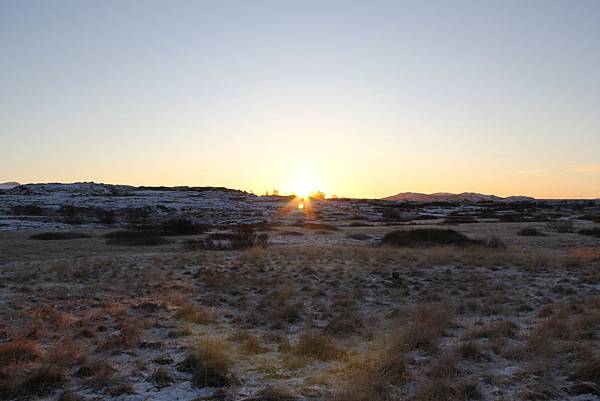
x=316 y=346
x=210 y=364
x=342 y=322
x=195 y=314
x=19 y=351
x=427 y=323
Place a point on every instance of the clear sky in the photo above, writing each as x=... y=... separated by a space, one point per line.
x=357 y=98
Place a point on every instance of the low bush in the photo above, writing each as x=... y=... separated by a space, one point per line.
x=561 y=226
x=42 y=381
x=359 y=236
x=593 y=232
x=459 y=220
x=242 y=238
x=427 y=237
x=135 y=238
x=530 y=232
x=26 y=210
x=320 y=226
x=162 y=377
x=105 y=216
x=182 y=226
x=291 y=233
x=59 y=235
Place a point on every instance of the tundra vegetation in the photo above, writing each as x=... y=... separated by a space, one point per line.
x=484 y=310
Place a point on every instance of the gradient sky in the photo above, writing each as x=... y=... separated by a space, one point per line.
x=358 y=98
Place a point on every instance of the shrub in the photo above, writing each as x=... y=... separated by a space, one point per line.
x=359 y=236
x=561 y=226
x=291 y=233
x=162 y=377
x=135 y=238
x=427 y=237
x=320 y=226
x=593 y=232
x=242 y=238
x=495 y=243
x=182 y=226
x=70 y=214
x=105 y=216
x=459 y=220
x=26 y=210
x=530 y=232
x=209 y=364
x=59 y=235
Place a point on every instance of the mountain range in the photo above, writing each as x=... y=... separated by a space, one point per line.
x=449 y=197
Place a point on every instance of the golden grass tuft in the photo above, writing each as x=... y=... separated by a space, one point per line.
x=317 y=346
x=210 y=364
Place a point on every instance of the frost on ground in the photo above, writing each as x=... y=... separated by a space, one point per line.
x=336 y=320
x=320 y=311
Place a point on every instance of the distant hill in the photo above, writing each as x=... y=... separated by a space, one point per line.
x=8 y=185
x=449 y=197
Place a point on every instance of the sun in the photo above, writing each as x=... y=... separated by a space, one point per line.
x=303 y=183
x=302 y=189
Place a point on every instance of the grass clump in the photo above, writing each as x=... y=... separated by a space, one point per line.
x=19 y=351
x=162 y=377
x=42 y=381
x=194 y=314
x=209 y=363
x=272 y=394
x=316 y=346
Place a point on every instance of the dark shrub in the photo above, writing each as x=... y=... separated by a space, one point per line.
x=137 y=215
x=182 y=226
x=291 y=233
x=135 y=238
x=71 y=215
x=42 y=381
x=105 y=216
x=561 y=226
x=243 y=238
x=26 y=210
x=530 y=232
x=320 y=226
x=459 y=220
x=495 y=243
x=426 y=237
x=358 y=224
x=594 y=232
x=359 y=236
x=59 y=235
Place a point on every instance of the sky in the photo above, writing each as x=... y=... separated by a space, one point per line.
x=354 y=98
